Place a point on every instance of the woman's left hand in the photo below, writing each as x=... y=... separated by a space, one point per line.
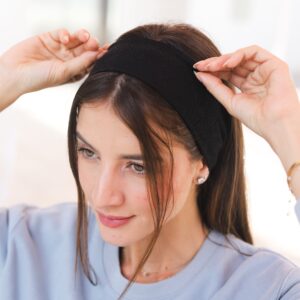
x=268 y=94
x=267 y=102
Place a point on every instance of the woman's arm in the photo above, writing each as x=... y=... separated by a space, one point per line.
x=267 y=102
x=8 y=91
x=46 y=60
x=286 y=144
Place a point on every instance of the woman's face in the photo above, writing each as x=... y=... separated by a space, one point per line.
x=112 y=176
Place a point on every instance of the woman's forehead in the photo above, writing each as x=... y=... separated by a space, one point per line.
x=98 y=122
x=102 y=124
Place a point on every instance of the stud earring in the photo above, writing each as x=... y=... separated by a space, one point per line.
x=201 y=179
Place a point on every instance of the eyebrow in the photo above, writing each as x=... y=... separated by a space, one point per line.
x=121 y=156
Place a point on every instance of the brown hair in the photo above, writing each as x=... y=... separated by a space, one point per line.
x=221 y=199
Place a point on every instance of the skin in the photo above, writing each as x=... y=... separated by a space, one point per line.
x=114 y=187
x=265 y=100
x=46 y=60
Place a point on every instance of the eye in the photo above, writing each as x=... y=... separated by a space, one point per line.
x=139 y=169
x=87 y=153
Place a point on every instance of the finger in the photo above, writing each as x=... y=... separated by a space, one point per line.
x=202 y=64
x=101 y=53
x=219 y=64
x=106 y=46
x=77 y=77
x=216 y=64
x=249 y=65
x=50 y=41
x=248 y=57
x=241 y=71
x=91 y=45
x=254 y=53
x=61 y=35
x=78 y=38
x=231 y=77
x=81 y=39
x=78 y=65
x=86 y=71
x=217 y=88
x=262 y=74
x=82 y=35
x=82 y=74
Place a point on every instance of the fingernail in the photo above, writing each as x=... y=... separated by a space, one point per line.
x=198 y=75
x=86 y=35
x=226 y=63
x=101 y=54
x=195 y=65
x=106 y=45
x=65 y=38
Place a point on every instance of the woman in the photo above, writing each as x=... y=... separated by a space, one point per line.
x=158 y=164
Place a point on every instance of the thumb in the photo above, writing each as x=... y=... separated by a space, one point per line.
x=217 y=88
x=79 y=64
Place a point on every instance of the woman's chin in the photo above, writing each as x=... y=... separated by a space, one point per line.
x=115 y=238
x=116 y=241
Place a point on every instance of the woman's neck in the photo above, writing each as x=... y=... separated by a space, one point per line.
x=178 y=242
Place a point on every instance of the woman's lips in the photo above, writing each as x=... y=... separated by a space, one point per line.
x=113 y=221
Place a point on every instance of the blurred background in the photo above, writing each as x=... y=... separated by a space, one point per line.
x=34 y=166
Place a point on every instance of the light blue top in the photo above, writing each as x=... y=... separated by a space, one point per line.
x=37 y=252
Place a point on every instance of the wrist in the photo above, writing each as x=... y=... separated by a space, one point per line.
x=285 y=140
x=286 y=144
x=293 y=179
x=293 y=182
x=9 y=88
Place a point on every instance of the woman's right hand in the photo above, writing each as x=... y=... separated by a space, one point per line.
x=47 y=60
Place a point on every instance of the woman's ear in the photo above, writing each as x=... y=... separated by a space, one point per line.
x=201 y=171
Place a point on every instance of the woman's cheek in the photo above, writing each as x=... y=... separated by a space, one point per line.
x=85 y=180
x=137 y=195
x=81 y=175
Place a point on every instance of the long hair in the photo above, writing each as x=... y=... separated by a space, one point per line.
x=221 y=200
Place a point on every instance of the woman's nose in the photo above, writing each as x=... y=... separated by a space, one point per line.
x=107 y=190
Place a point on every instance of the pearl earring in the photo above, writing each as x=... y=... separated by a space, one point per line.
x=201 y=179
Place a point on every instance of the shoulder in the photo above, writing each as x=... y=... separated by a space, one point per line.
x=259 y=254
x=30 y=231
x=249 y=254
x=257 y=268
x=26 y=225
x=33 y=217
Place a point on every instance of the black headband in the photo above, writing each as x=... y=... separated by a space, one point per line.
x=170 y=73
